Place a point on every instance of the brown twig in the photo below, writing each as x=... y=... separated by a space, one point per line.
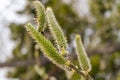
x=108 y=49
x=86 y=76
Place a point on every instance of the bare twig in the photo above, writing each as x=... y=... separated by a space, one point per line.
x=86 y=76
x=108 y=49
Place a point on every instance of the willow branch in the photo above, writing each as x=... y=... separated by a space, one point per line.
x=87 y=77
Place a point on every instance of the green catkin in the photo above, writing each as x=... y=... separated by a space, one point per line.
x=46 y=46
x=41 y=15
x=56 y=30
x=82 y=56
x=44 y=18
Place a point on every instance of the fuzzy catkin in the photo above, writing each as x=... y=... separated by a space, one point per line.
x=56 y=30
x=41 y=15
x=46 y=46
x=83 y=59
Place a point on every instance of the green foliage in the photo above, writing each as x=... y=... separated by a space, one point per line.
x=76 y=76
x=41 y=72
x=95 y=61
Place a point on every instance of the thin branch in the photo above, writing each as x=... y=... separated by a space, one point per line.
x=78 y=71
x=87 y=77
x=24 y=63
x=108 y=49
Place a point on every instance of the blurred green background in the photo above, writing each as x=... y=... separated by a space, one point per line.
x=99 y=28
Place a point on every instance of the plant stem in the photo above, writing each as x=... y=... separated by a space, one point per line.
x=87 y=77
